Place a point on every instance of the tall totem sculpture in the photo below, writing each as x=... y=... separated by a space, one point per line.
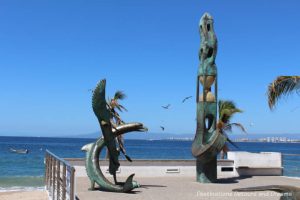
x=110 y=131
x=208 y=141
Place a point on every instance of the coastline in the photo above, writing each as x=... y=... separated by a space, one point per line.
x=24 y=173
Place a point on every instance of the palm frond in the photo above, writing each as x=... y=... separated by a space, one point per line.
x=120 y=107
x=282 y=85
x=232 y=143
x=226 y=110
x=119 y=95
x=228 y=127
x=228 y=114
x=226 y=104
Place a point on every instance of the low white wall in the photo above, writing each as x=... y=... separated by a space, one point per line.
x=263 y=159
x=256 y=164
x=146 y=171
x=155 y=171
x=226 y=169
x=241 y=163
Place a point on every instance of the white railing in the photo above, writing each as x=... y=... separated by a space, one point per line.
x=59 y=178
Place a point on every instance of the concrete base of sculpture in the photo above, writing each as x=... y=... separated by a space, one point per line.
x=206 y=172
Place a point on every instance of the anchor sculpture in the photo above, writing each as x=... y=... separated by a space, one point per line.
x=110 y=131
x=208 y=141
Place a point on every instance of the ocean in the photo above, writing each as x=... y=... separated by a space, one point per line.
x=25 y=171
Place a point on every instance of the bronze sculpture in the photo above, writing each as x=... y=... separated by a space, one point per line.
x=110 y=131
x=208 y=141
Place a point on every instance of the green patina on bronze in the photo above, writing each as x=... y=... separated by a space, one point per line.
x=110 y=131
x=208 y=141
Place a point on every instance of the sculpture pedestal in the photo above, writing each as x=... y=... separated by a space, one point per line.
x=207 y=172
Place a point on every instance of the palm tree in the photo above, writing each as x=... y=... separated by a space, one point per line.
x=226 y=111
x=112 y=105
x=282 y=85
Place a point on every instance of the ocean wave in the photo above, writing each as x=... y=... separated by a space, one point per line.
x=292 y=177
x=18 y=189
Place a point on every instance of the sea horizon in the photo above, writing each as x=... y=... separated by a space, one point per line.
x=160 y=136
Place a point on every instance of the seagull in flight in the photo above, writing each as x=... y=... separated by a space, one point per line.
x=186 y=98
x=167 y=106
x=162 y=128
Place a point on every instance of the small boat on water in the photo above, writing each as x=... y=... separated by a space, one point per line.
x=21 y=151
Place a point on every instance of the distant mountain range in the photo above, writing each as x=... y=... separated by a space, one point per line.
x=165 y=136
x=141 y=136
x=157 y=136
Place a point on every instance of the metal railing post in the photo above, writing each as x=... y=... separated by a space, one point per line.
x=59 y=177
x=53 y=176
x=58 y=180
x=72 y=195
x=50 y=174
x=64 y=181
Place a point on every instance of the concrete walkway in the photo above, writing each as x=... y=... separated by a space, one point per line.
x=186 y=188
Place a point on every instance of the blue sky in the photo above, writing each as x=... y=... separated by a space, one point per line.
x=53 y=52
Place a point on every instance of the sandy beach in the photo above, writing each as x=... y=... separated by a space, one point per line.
x=24 y=195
